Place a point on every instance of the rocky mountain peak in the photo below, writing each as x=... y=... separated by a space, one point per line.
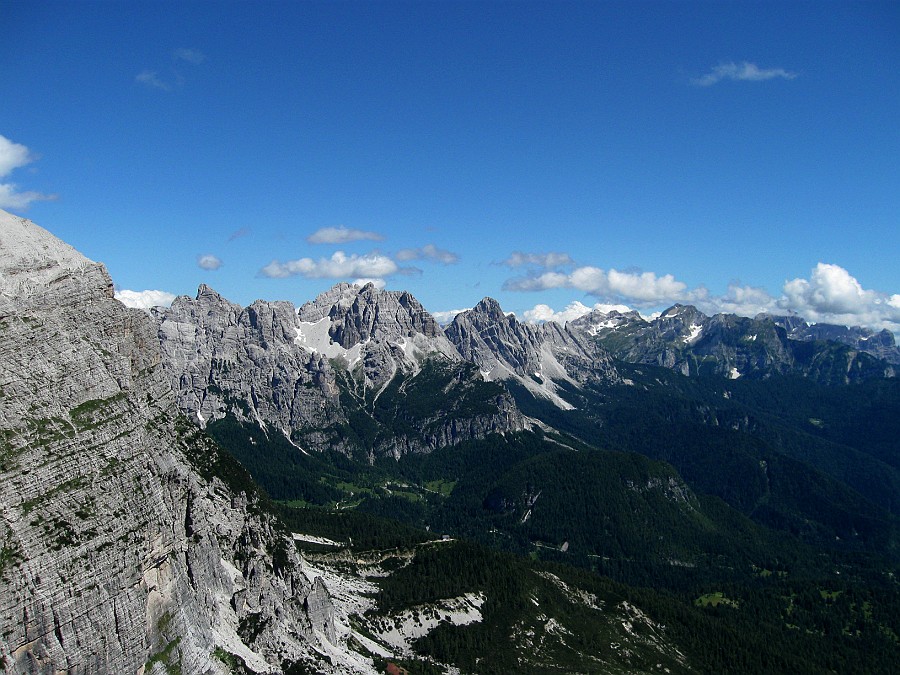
x=32 y=259
x=488 y=309
x=122 y=546
x=538 y=357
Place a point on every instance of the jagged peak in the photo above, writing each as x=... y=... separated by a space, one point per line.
x=31 y=259
x=678 y=310
x=22 y=239
x=488 y=307
x=205 y=292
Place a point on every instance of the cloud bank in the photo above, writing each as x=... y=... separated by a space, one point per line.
x=338 y=266
x=341 y=235
x=741 y=72
x=829 y=295
x=14 y=156
x=544 y=260
x=540 y=313
x=642 y=288
x=428 y=252
x=144 y=299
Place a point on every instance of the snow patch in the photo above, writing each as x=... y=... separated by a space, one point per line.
x=695 y=331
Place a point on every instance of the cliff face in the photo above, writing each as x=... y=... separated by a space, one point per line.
x=224 y=359
x=537 y=357
x=121 y=548
x=354 y=352
x=686 y=340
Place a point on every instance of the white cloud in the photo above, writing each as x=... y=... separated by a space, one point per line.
x=144 y=299
x=642 y=288
x=545 y=260
x=738 y=299
x=151 y=79
x=341 y=235
x=744 y=71
x=14 y=156
x=194 y=56
x=338 y=266
x=377 y=283
x=428 y=252
x=832 y=295
x=447 y=316
x=11 y=198
x=209 y=262
x=573 y=310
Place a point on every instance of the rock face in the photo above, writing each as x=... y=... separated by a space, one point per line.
x=686 y=340
x=248 y=362
x=881 y=344
x=121 y=548
x=538 y=357
x=387 y=332
x=353 y=351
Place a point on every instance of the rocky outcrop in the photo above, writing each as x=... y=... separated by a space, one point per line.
x=540 y=357
x=248 y=362
x=128 y=543
x=686 y=340
x=880 y=344
x=306 y=373
x=385 y=332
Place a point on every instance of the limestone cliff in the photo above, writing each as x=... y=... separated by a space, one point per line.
x=348 y=371
x=224 y=359
x=540 y=357
x=128 y=543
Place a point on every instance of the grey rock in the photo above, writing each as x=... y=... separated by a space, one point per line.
x=118 y=552
x=221 y=358
x=275 y=367
x=537 y=356
x=880 y=344
x=685 y=340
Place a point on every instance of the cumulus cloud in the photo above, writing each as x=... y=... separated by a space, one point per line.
x=545 y=260
x=377 y=283
x=744 y=71
x=832 y=295
x=14 y=156
x=446 y=316
x=541 y=312
x=151 y=79
x=144 y=299
x=338 y=266
x=209 y=262
x=641 y=288
x=738 y=299
x=194 y=56
x=341 y=235
x=428 y=252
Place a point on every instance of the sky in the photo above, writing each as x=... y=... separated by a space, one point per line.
x=556 y=156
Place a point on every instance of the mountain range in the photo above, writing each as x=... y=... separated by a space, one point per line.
x=213 y=488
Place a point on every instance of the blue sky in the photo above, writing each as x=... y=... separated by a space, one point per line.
x=737 y=156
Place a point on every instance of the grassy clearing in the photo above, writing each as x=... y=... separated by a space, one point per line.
x=714 y=600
